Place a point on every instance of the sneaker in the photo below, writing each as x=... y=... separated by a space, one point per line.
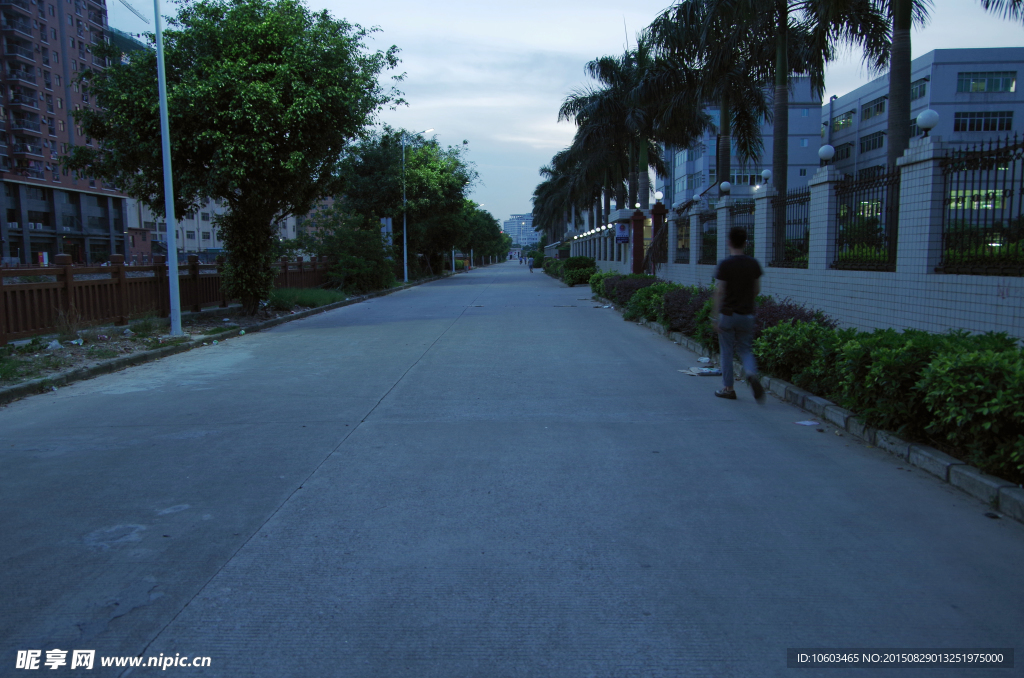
x=728 y=395
x=755 y=386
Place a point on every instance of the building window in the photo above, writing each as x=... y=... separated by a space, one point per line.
x=999 y=121
x=993 y=81
x=60 y=103
x=804 y=143
x=872 y=141
x=915 y=131
x=869 y=172
x=205 y=216
x=60 y=125
x=803 y=172
x=206 y=235
x=918 y=88
x=143 y=236
x=873 y=108
x=843 y=152
x=190 y=235
x=841 y=122
x=131 y=240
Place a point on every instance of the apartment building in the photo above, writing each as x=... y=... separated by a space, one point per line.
x=974 y=91
x=520 y=228
x=46 y=44
x=693 y=170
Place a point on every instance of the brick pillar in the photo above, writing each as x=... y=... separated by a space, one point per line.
x=658 y=214
x=822 y=218
x=724 y=223
x=636 y=241
x=762 y=219
x=922 y=201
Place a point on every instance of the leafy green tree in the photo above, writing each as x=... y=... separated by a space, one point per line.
x=361 y=261
x=264 y=98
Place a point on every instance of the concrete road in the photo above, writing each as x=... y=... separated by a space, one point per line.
x=484 y=476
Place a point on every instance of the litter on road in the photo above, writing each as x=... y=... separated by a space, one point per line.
x=807 y=423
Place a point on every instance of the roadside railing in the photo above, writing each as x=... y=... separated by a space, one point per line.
x=742 y=212
x=866 y=222
x=790 y=243
x=983 y=218
x=708 y=238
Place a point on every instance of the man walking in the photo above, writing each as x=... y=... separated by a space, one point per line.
x=738 y=284
x=529 y=262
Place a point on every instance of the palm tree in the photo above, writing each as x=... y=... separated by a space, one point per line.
x=1010 y=9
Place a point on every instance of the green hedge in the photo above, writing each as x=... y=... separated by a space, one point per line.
x=577 y=275
x=580 y=263
x=648 y=303
x=597 y=282
x=553 y=267
x=963 y=393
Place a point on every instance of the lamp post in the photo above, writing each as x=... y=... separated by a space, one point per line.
x=165 y=137
x=405 y=239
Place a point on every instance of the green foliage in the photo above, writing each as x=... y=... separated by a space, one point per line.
x=287 y=298
x=578 y=276
x=578 y=263
x=648 y=303
x=264 y=97
x=705 y=333
x=863 y=254
x=554 y=267
x=789 y=347
x=822 y=375
x=362 y=261
x=975 y=402
x=620 y=288
x=597 y=282
x=880 y=370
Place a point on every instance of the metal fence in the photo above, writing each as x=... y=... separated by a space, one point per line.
x=708 y=238
x=982 y=219
x=789 y=245
x=682 y=243
x=867 y=217
x=742 y=212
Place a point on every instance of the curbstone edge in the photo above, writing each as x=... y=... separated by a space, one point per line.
x=974 y=482
x=892 y=444
x=931 y=460
x=837 y=415
x=1011 y=502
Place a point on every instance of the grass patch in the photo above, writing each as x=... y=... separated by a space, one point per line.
x=102 y=352
x=173 y=341
x=286 y=298
x=145 y=326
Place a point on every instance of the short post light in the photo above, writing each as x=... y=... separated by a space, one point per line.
x=927 y=120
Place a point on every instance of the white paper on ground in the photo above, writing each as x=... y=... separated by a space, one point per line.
x=807 y=423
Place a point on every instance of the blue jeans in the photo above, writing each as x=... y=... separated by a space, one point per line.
x=736 y=334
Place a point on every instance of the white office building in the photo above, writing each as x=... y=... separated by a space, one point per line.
x=520 y=228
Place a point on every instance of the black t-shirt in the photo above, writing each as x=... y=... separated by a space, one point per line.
x=739 y=272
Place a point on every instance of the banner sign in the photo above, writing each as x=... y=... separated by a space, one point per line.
x=622 y=232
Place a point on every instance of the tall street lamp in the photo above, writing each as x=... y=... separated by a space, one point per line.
x=405 y=230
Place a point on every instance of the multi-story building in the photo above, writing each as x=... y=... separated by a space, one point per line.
x=46 y=44
x=520 y=228
x=693 y=170
x=974 y=91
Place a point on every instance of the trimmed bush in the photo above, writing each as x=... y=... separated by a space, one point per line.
x=822 y=375
x=597 y=282
x=680 y=307
x=622 y=287
x=553 y=267
x=705 y=333
x=770 y=313
x=789 y=347
x=648 y=303
x=975 y=403
x=577 y=276
x=579 y=263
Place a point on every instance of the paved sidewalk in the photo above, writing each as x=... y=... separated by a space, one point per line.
x=483 y=476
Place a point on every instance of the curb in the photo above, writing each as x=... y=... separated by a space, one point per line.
x=1001 y=495
x=37 y=386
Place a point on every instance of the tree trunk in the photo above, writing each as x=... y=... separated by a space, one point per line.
x=899 y=81
x=723 y=152
x=644 y=172
x=607 y=194
x=780 y=127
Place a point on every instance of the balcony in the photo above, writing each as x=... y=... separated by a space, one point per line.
x=24 y=76
x=98 y=18
x=27 y=125
x=27 y=149
x=8 y=23
x=19 y=51
x=20 y=4
x=23 y=100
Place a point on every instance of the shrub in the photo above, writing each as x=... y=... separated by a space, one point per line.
x=822 y=375
x=789 y=347
x=621 y=288
x=680 y=307
x=554 y=267
x=771 y=312
x=577 y=276
x=880 y=370
x=597 y=282
x=577 y=263
x=975 y=403
x=286 y=298
x=705 y=333
x=648 y=302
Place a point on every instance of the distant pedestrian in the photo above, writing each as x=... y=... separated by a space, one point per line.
x=520 y=260
x=529 y=262
x=738 y=284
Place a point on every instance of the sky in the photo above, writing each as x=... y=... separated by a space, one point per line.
x=495 y=73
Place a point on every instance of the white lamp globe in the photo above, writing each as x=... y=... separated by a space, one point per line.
x=637 y=205
x=658 y=195
x=826 y=152
x=766 y=175
x=725 y=187
x=927 y=120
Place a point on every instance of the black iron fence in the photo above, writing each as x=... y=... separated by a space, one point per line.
x=789 y=245
x=742 y=212
x=682 y=243
x=867 y=218
x=708 y=238
x=982 y=219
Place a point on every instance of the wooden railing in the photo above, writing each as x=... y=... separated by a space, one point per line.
x=67 y=296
